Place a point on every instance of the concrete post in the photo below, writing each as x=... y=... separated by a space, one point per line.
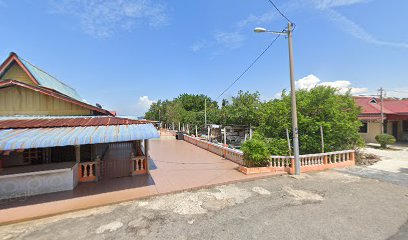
x=146 y=146
x=77 y=153
x=225 y=135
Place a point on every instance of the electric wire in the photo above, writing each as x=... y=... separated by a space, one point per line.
x=249 y=67
x=260 y=55
x=279 y=11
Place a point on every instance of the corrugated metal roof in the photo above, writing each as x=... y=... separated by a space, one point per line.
x=48 y=81
x=390 y=106
x=12 y=139
x=67 y=121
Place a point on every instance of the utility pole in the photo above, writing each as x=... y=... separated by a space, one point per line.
x=159 y=115
x=288 y=139
x=322 y=137
x=381 y=90
x=293 y=96
x=205 y=112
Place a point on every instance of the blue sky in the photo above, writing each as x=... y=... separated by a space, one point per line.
x=124 y=54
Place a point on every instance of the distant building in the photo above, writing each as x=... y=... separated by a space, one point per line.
x=51 y=139
x=235 y=135
x=395 y=118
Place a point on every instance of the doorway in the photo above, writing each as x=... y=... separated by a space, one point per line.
x=116 y=161
x=395 y=129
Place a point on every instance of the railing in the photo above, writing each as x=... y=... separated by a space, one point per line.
x=280 y=162
x=313 y=162
x=308 y=162
x=225 y=152
x=87 y=171
x=138 y=165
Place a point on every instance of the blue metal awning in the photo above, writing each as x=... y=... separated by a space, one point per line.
x=12 y=139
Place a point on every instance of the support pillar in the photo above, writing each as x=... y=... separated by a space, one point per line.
x=146 y=145
x=77 y=153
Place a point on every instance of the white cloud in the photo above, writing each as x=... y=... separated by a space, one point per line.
x=143 y=104
x=336 y=3
x=358 y=32
x=222 y=40
x=343 y=86
x=197 y=46
x=307 y=82
x=137 y=108
x=253 y=20
x=229 y=39
x=349 y=26
x=235 y=38
x=102 y=18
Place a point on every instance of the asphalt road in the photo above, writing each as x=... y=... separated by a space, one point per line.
x=325 y=205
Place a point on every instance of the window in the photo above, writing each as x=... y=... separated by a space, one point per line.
x=364 y=127
x=373 y=100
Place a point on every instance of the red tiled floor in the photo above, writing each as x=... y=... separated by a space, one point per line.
x=178 y=166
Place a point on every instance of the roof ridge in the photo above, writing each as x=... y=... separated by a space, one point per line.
x=40 y=69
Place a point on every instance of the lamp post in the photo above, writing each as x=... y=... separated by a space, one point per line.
x=288 y=33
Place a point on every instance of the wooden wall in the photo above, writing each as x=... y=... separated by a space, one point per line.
x=17 y=73
x=17 y=100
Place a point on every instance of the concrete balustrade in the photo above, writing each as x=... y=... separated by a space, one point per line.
x=87 y=171
x=138 y=165
x=225 y=152
x=281 y=164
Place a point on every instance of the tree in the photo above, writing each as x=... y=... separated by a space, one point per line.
x=243 y=110
x=186 y=108
x=320 y=106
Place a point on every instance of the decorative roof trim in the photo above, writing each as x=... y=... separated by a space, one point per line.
x=13 y=57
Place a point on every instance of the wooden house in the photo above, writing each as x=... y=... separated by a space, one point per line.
x=51 y=139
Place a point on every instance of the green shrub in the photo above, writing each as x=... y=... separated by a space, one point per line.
x=277 y=146
x=256 y=153
x=385 y=139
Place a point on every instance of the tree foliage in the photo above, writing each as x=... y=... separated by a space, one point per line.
x=186 y=108
x=320 y=106
x=243 y=109
x=256 y=153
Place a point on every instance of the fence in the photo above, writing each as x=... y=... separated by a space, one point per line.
x=308 y=162
x=225 y=152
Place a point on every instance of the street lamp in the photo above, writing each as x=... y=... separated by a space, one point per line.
x=288 y=32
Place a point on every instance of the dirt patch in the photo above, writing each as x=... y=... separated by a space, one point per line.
x=110 y=227
x=200 y=202
x=302 y=195
x=261 y=191
x=366 y=159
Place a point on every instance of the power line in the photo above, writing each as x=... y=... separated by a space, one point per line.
x=249 y=67
x=397 y=91
x=279 y=11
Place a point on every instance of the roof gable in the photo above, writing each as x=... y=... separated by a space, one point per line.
x=38 y=76
x=390 y=106
x=54 y=94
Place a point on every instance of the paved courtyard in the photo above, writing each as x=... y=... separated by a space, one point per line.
x=175 y=166
x=393 y=166
x=323 y=205
x=350 y=203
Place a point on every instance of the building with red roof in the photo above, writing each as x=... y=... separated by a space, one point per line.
x=395 y=117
